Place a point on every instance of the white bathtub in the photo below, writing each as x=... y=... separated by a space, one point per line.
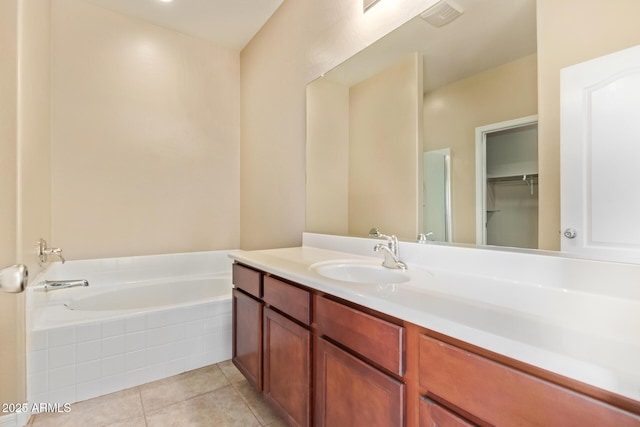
x=140 y=319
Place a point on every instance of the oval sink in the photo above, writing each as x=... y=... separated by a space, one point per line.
x=360 y=273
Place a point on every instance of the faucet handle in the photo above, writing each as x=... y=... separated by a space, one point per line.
x=424 y=238
x=44 y=252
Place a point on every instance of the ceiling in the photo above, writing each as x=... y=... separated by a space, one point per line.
x=488 y=33
x=226 y=23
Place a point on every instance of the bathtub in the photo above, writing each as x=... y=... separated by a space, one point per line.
x=140 y=319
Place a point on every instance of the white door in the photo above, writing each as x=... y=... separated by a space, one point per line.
x=600 y=157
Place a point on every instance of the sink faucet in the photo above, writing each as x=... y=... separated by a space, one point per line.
x=391 y=259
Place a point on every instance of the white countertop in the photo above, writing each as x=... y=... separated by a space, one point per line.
x=585 y=335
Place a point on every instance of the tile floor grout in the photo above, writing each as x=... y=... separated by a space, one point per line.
x=217 y=394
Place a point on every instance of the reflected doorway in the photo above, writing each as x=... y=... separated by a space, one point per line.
x=507 y=183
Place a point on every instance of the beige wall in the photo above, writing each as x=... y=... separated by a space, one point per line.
x=384 y=143
x=327 y=158
x=145 y=137
x=569 y=32
x=10 y=377
x=451 y=115
x=361 y=151
x=301 y=41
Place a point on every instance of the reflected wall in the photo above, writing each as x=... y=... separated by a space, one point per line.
x=362 y=161
x=451 y=115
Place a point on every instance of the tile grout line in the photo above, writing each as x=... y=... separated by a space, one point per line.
x=244 y=400
x=144 y=412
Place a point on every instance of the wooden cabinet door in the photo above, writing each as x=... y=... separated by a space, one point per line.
x=287 y=367
x=349 y=392
x=247 y=337
x=434 y=415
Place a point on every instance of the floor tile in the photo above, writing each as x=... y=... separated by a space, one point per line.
x=256 y=402
x=131 y=422
x=231 y=372
x=101 y=411
x=162 y=393
x=216 y=395
x=220 y=408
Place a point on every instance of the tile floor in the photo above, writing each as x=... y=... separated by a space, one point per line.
x=216 y=395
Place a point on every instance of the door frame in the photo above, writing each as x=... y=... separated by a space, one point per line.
x=481 y=168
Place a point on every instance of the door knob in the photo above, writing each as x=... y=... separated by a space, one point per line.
x=13 y=278
x=570 y=233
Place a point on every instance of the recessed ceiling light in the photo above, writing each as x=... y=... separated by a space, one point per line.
x=166 y=1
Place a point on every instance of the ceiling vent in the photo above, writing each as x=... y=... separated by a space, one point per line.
x=442 y=13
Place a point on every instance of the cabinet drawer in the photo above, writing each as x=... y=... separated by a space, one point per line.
x=434 y=415
x=248 y=280
x=503 y=396
x=289 y=299
x=379 y=341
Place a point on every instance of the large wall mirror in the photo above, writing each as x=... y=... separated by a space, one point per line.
x=421 y=89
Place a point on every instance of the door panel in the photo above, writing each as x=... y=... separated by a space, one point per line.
x=600 y=154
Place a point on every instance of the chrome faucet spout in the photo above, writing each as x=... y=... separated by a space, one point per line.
x=390 y=259
x=52 y=285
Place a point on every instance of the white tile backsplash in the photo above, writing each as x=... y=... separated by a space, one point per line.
x=88 y=371
x=112 y=365
x=60 y=357
x=136 y=323
x=112 y=328
x=135 y=341
x=92 y=331
x=62 y=378
x=88 y=350
x=80 y=367
x=88 y=390
x=112 y=346
x=62 y=336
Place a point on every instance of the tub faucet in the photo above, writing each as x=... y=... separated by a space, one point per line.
x=52 y=285
x=391 y=258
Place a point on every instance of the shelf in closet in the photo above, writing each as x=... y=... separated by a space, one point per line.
x=520 y=177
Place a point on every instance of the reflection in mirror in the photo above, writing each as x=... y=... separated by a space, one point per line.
x=364 y=167
x=437 y=195
x=507 y=173
x=367 y=4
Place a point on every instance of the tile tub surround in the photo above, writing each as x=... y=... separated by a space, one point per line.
x=213 y=395
x=88 y=358
x=573 y=317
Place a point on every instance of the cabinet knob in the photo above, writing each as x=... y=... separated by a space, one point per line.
x=570 y=233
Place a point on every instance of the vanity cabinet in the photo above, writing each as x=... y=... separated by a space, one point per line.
x=434 y=415
x=492 y=393
x=323 y=361
x=359 y=364
x=287 y=350
x=272 y=341
x=350 y=392
x=247 y=323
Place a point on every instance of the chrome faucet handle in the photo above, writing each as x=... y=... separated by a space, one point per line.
x=424 y=238
x=392 y=239
x=44 y=252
